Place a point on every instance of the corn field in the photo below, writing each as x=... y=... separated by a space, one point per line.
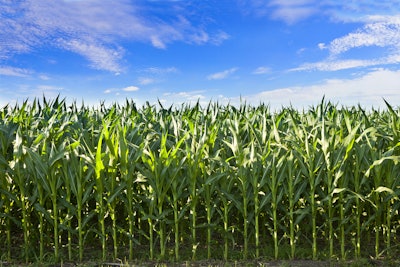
x=195 y=182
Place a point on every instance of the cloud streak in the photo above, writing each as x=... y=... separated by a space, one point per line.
x=289 y=11
x=262 y=70
x=93 y=29
x=293 y=11
x=161 y=71
x=16 y=72
x=366 y=90
x=183 y=97
x=117 y=91
x=131 y=89
x=382 y=32
x=99 y=56
x=335 y=65
x=222 y=75
x=146 y=80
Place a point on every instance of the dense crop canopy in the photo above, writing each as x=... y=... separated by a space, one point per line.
x=197 y=182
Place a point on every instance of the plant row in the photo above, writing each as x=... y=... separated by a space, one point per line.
x=197 y=182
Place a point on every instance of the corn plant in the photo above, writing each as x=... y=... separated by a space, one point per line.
x=295 y=188
x=178 y=181
x=158 y=167
x=113 y=186
x=258 y=178
x=310 y=161
x=81 y=189
x=242 y=157
x=6 y=201
x=186 y=181
x=22 y=180
x=130 y=153
x=224 y=191
x=194 y=147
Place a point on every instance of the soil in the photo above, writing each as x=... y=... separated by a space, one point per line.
x=278 y=263
x=215 y=263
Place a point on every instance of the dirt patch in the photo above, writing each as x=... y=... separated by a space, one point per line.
x=278 y=263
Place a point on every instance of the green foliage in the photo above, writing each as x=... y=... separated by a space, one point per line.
x=198 y=182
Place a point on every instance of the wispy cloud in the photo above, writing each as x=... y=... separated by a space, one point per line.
x=219 y=37
x=335 y=65
x=117 y=91
x=22 y=91
x=153 y=75
x=262 y=70
x=146 y=80
x=360 y=90
x=94 y=29
x=130 y=89
x=222 y=75
x=17 y=72
x=183 y=97
x=193 y=97
x=99 y=56
x=381 y=32
x=157 y=70
x=44 y=77
x=50 y=91
x=359 y=11
x=289 y=11
x=292 y=11
x=47 y=88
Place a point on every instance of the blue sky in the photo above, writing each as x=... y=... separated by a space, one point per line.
x=279 y=52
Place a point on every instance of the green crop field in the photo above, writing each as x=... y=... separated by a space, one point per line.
x=197 y=182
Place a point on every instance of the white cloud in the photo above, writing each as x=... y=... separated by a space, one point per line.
x=44 y=77
x=262 y=70
x=25 y=91
x=117 y=91
x=322 y=46
x=381 y=32
x=17 y=72
x=202 y=37
x=219 y=38
x=101 y=57
x=360 y=11
x=185 y=97
x=94 y=29
x=159 y=71
x=146 y=81
x=130 y=89
x=222 y=75
x=385 y=33
x=291 y=2
x=367 y=90
x=292 y=11
x=45 y=88
x=334 y=65
x=157 y=42
x=289 y=11
x=293 y=14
